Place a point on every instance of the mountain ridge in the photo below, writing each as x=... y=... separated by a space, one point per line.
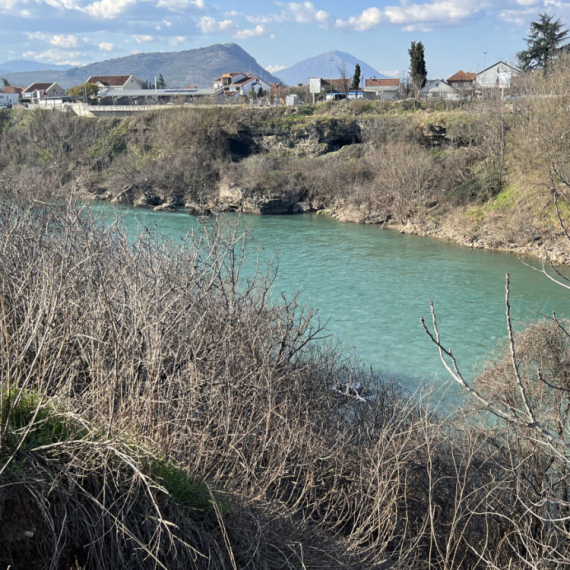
x=198 y=67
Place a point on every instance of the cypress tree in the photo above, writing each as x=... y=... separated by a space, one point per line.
x=418 y=69
x=356 y=78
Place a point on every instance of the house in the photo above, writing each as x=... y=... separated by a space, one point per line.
x=43 y=91
x=383 y=89
x=336 y=85
x=116 y=82
x=12 y=89
x=239 y=83
x=439 y=89
x=499 y=75
x=463 y=81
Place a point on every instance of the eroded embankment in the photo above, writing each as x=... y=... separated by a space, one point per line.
x=471 y=175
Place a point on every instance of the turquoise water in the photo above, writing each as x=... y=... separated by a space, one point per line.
x=372 y=285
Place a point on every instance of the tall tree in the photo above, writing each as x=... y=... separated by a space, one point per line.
x=356 y=78
x=160 y=84
x=5 y=82
x=418 y=69
x=546 y=40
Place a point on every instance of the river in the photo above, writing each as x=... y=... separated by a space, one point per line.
x=371 y=286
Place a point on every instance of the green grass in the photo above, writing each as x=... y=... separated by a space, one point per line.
x=48 y=427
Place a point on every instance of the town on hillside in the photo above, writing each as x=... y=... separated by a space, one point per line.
x=236 y=87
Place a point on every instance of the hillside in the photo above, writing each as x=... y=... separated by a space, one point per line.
x=190 y=67
x=24 y=65
x=322 y=66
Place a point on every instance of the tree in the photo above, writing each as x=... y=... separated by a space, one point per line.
x=80 y=90
x=356 y=78
x=5 y=82
x=344 y=80
x=545 y=42
x=418 y=69
x=261 y=93
x=160 y=84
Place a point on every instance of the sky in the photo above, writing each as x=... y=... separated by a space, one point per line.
x=457 y=34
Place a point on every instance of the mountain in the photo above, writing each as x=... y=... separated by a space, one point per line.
x=322 y=66
x=180 y=69
x=24 y=65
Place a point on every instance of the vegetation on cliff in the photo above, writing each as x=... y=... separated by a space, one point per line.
x=476 y=172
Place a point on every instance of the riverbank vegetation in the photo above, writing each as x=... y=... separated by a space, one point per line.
x=159 y=410
x=478 y=172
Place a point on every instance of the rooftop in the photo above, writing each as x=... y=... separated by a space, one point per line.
x=109 y=80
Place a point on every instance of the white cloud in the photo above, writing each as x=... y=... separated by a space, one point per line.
x=65 y=41
x=267 y=19
x=391 y=72
x=232 y=14
x=181 y=5
x=306 y=13
x=414 y=17
x=368 y=19
x=519 y=17
x=143 y=38
x=107 y=9
x=66 y=4
x=177 y=40
x=55 y=56
x=256 y=32
x=210 y=25
x=106 y=46
x=275 y=68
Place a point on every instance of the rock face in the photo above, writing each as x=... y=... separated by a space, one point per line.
x=313 y=138
x=231 y=197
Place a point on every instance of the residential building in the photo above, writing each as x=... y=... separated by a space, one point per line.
x=439 y=89
x=463 y=81
x=12 y=89
x=43 y=91
x=239 y=83
x=497 y=76
x=383 y=89
x=116 y=82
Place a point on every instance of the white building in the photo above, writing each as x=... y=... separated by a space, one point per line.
x=116 y=82
x=40 y=91
x=9 y=99
x=499 y=75
x=240 y=84
x=439 y=89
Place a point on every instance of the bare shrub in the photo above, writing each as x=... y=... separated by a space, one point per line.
x=169 y=349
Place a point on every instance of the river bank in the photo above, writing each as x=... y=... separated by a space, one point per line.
x=467 y=172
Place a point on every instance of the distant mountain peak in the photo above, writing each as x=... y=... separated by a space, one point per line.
x=327 y=65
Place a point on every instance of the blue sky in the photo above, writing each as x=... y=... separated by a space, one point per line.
x=456 y=33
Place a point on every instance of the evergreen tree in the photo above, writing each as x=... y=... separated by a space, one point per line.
x=160 y=83
x=356 y=79
x=5 y=82
x=418 y=69
x=545 y=42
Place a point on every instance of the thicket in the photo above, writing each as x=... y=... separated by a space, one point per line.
x=160 y=409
